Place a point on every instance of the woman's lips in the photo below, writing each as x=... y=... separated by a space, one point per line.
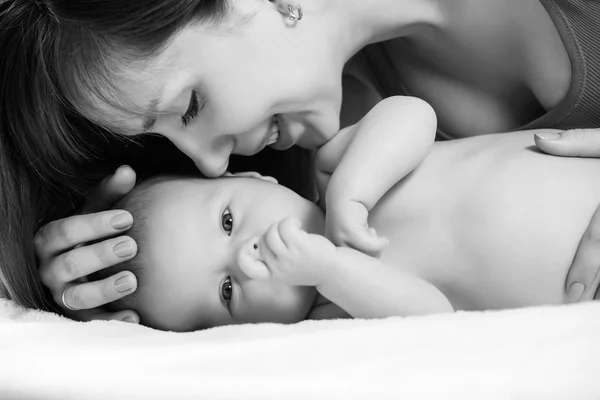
x=274 y=130
x=281 y=138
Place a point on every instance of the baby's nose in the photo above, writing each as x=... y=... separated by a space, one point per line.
x=249 y=261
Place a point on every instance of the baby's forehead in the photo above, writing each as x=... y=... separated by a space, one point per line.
x=177 y=201
x=178 y=190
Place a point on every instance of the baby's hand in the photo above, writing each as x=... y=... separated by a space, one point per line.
x=289 y=255
x=346 y=225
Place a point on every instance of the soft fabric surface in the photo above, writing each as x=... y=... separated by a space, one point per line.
x=544 y=353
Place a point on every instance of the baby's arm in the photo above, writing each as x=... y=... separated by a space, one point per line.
x=366 y=287
x=362 y=162
x=361 y=285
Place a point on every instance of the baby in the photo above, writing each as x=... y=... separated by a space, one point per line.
x=481 y=223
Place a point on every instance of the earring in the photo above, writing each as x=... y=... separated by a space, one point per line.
x=295 y=13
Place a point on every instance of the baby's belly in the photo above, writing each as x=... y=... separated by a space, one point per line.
x=490 y=222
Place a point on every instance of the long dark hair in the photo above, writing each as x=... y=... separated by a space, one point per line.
x=51 y=51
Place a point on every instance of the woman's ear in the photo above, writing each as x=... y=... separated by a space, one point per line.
x=290 y=9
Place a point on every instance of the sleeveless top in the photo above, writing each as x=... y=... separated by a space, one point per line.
x=578 y=24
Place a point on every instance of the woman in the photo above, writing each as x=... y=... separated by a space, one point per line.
x=217 y=78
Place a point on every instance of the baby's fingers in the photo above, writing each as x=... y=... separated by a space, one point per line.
x=290 y=231
x=271 y=244
x=366 y=241
x=248 y=260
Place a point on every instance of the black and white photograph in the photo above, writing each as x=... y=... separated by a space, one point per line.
x=299 y=199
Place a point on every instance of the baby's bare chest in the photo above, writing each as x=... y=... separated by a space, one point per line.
x=491 y=234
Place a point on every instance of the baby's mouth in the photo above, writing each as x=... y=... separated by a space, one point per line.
x=274 y=131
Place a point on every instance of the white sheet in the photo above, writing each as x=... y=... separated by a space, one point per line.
x=544 y=353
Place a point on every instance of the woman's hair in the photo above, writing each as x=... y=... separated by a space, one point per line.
x=54 y=53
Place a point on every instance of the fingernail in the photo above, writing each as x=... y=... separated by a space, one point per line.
x=121 y=221
x=121 y=169
x=124 y=284
x=124 y=248
x=548 y=136
x=130 y=319
x=576 y=289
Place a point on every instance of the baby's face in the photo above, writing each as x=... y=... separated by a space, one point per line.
x=196 y=230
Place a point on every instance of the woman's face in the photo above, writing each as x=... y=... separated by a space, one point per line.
x=217 y=91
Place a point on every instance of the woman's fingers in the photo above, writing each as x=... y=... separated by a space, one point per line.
x=99 y=314
x=85 y=260
x=94 y=294
x=111 y=189
x=584 y=275
x=64 y=234
x=571 y=143
x=251 y=174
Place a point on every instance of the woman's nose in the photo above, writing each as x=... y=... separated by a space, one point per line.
x=249 y=261
x=209 y=151
x=212 y=165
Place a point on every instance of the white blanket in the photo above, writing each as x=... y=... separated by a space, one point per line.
x=551 y=352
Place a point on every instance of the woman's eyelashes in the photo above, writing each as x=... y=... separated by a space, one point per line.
x=193 y=109
x=227 y=222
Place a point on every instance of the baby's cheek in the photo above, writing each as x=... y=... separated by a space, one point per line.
x=275 y=302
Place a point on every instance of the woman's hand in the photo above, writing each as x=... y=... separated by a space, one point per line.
x=584 y=275
x=571 y=143
x=250 y=174
x=66 y=259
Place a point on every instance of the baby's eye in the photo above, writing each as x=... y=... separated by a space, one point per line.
x=227 y=222
x=227 y=290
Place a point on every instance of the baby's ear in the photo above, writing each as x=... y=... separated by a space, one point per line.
x=252 y=174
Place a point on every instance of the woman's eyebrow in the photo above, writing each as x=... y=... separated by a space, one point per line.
x=151 y=111
x=148 y=123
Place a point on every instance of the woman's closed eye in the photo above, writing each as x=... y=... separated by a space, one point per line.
x=193 y=109
x=227 y=222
